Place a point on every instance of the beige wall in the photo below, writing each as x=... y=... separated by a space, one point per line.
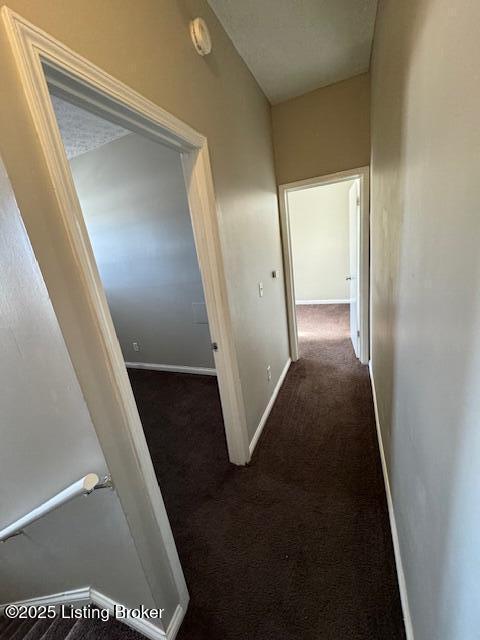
x=319 y=229
x=426 y=299
x=323 y=131
x=147 y=45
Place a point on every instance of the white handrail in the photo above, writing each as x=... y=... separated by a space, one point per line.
x=82 y=487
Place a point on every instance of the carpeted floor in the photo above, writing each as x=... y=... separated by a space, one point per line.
x=297 y=545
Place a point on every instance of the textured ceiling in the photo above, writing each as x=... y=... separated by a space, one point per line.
x=81 y=130
x=295 y=46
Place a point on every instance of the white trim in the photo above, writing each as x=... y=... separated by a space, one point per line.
x=174 y=368
x=266 y=413
x=142 y=625
x=175 y=622
x=363 y=174
x=87 y=595
x=393 y=524
x=73 y=597
x=333 y=301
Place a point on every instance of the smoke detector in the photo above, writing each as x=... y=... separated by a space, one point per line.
x=200 y=36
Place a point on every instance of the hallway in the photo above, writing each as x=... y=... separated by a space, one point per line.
x=297 y=545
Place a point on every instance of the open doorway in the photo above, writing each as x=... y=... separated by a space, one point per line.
x=133 y=197
x=325 y=232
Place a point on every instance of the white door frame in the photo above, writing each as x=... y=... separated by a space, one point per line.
x=363 y=175
x=123 y=443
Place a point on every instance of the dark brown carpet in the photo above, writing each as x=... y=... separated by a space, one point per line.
x=296 y=546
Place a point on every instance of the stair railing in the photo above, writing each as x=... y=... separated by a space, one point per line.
x=85 y=486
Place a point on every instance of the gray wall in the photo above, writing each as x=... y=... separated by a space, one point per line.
x=319 y=229
x=48 y=442
x=133 y=196
x=426 y=300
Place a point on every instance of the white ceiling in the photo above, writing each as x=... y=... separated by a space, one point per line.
x=81 y=130
x=295 y=46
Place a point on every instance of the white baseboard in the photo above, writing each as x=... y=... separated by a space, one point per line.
x=175 y=622
x=333 y=301
x=393 y=524
x=74 y=597
x=87 y=595
x=173 y=368
x=270 y=404
x=142 y=625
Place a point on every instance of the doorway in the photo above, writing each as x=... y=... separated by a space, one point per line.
x=193 y=170
x=325 y=234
